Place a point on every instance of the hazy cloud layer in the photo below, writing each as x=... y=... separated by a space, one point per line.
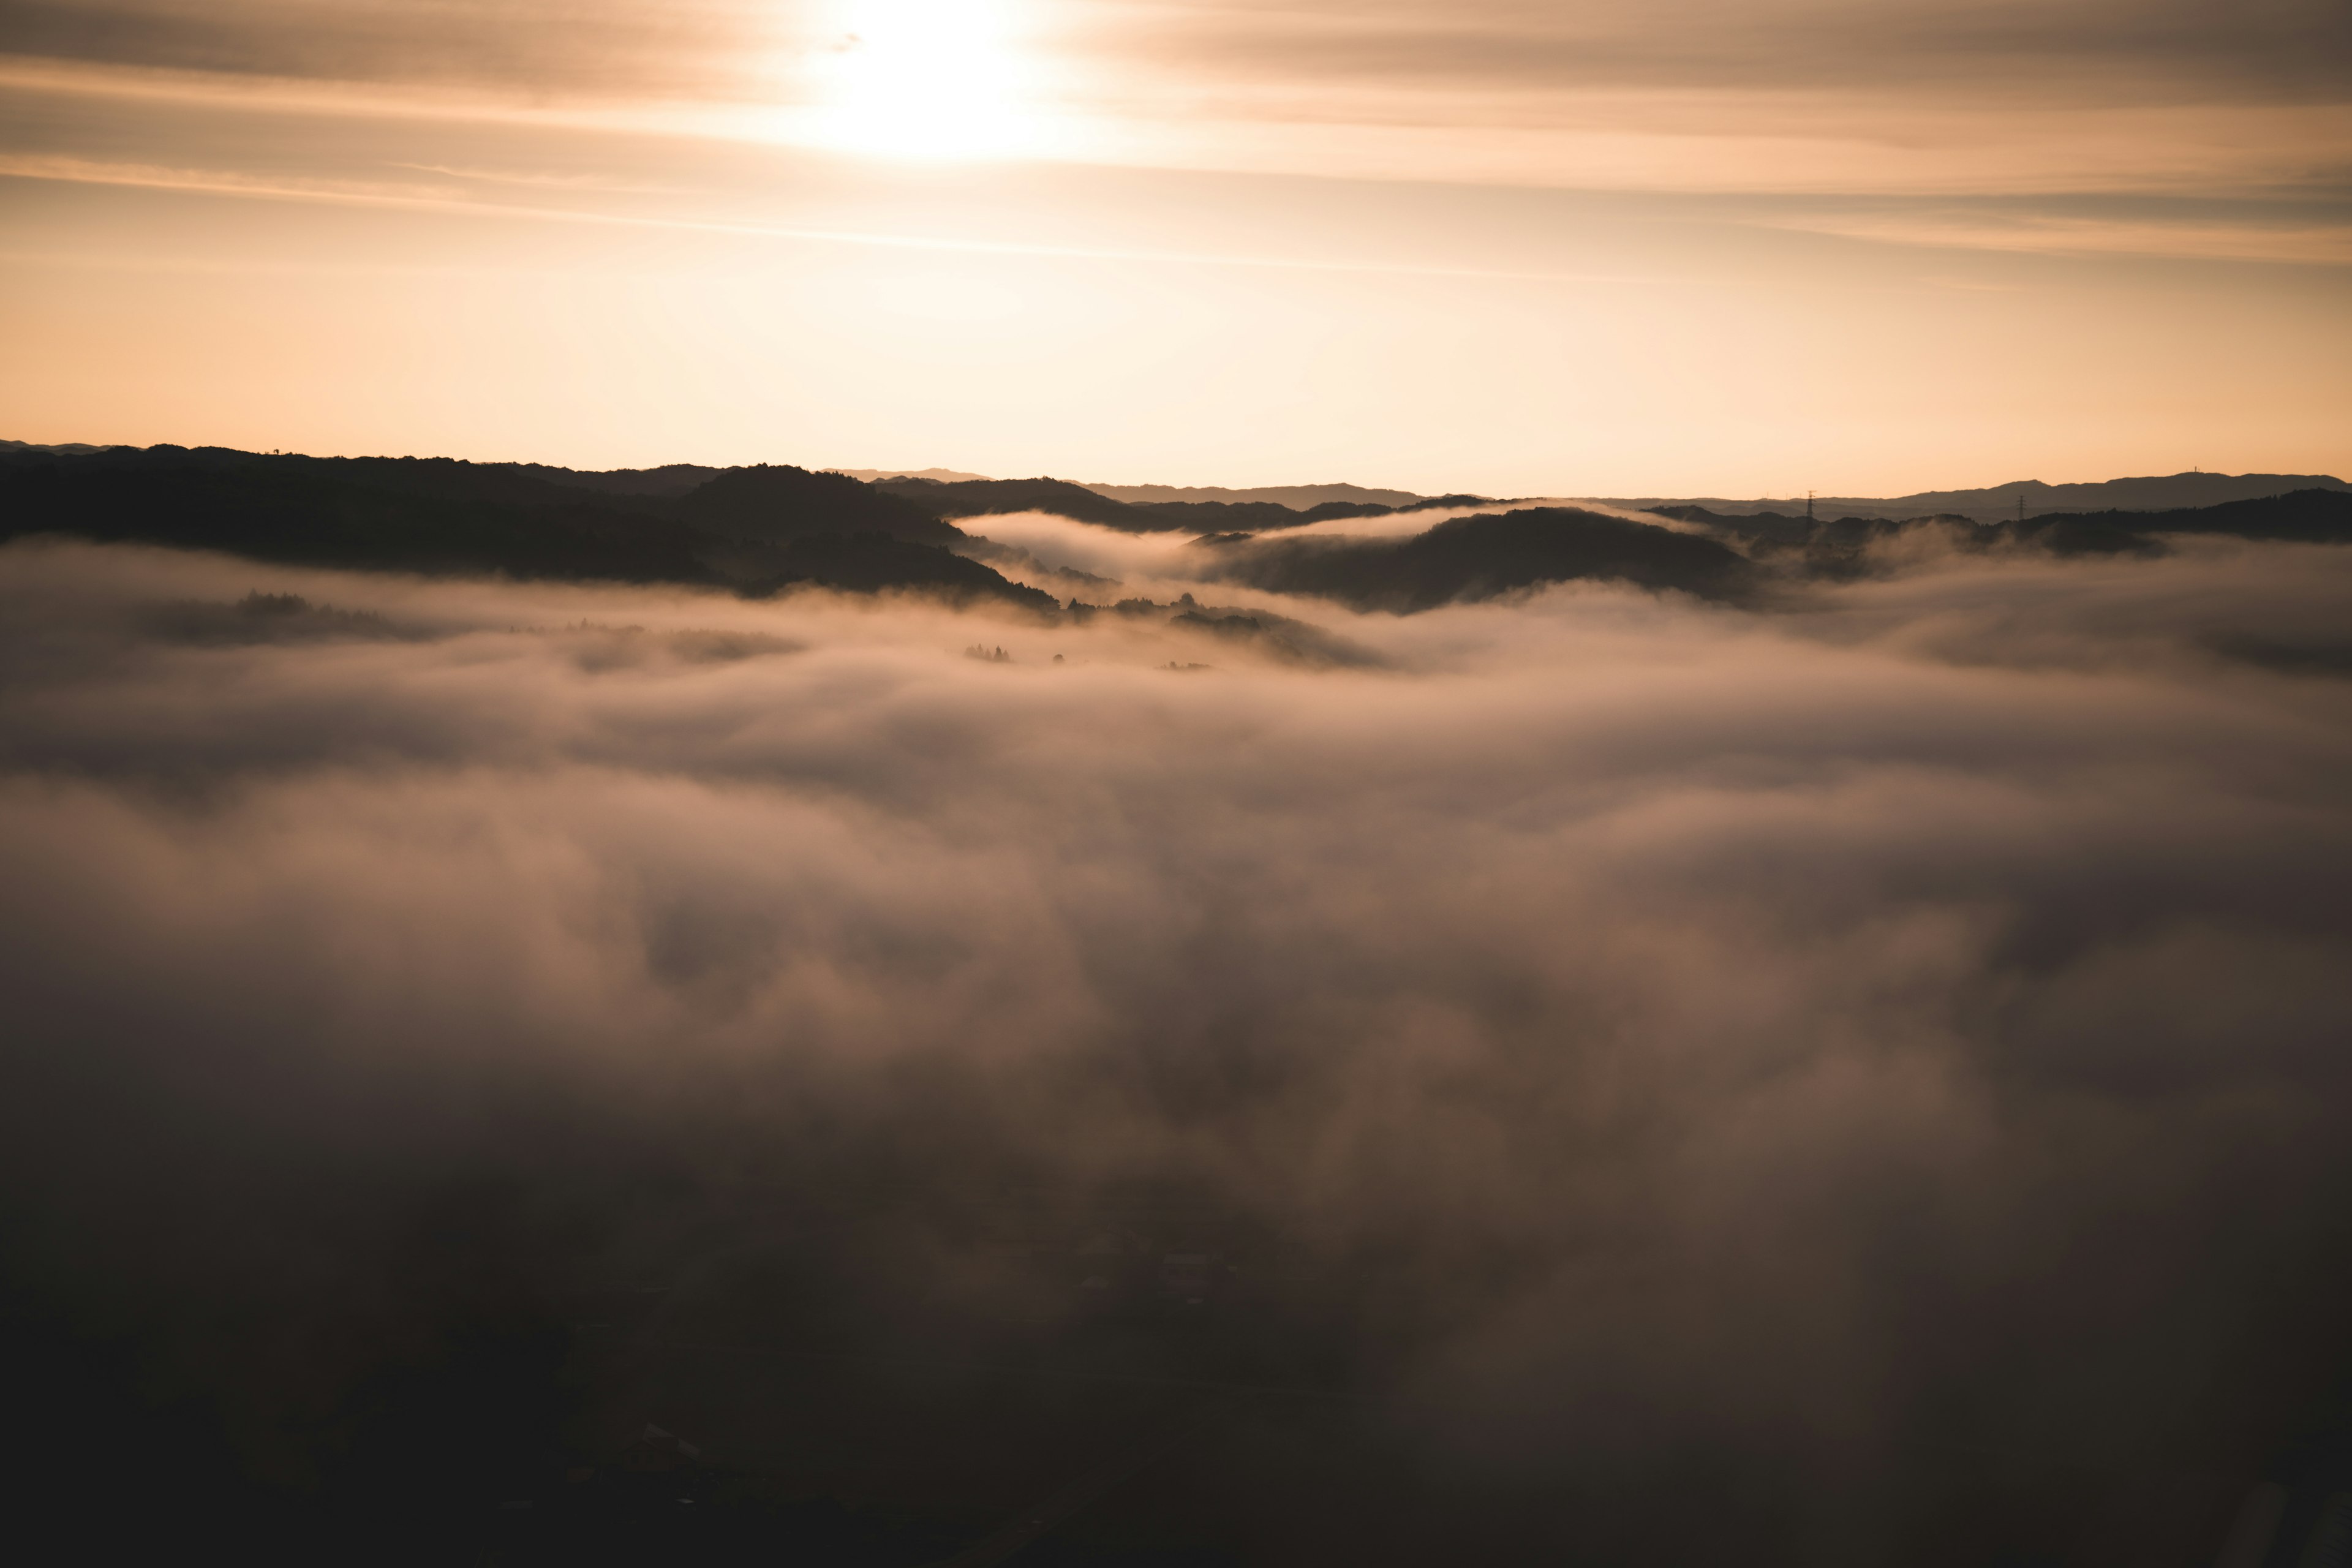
x=532 y=47
x=1868 y=1043
x=2103 y=51
x=2100 y=50
x=1817 y=96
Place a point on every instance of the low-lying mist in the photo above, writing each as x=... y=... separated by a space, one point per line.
x=1824 y=1083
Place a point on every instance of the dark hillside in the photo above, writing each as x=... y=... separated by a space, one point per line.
x=773 y=505
x=1482 y=556
x=766 y=530
x=670 y=480
x=1748 y=528
x=388 y=513
x=1840 y=547
x=2169 y=492
x=876 y=563
x=2309 y=517
x=1296 y=497
x=981 y=497
x=1226 y=517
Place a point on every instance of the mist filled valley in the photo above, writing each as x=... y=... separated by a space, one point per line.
x=1591 y=807
x=772 y=1016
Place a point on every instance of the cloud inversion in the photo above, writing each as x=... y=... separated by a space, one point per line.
x=1818 y=1063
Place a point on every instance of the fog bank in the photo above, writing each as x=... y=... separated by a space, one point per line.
x=1803 y=1078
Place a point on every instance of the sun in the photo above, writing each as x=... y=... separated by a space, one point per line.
x=925 y=80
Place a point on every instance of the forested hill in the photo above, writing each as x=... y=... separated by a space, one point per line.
x=1848 y=547
x=989 y=498
x=763 y=530
x=1482 y=557
x=2318 y=516
x=2314 y=516
x=2165 y=492
x=1060 y=498
x=1295 y=498
x=754 y=531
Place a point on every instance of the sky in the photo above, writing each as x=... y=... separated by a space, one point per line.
x=1738 y=248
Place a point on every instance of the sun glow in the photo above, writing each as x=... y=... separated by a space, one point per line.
x=926 y=79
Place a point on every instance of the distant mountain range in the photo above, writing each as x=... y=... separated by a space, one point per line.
x=63 y=450
x=1482 y=557
x=2167 y=492
x=1841 y=548
x=987 y=498
x=766 y=530
x=2170 y=492
x=951 y=492
x=757 y=530
x=994 y=498
x=1298 y=498
x=944 y=476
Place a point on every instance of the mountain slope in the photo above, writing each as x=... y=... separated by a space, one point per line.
x=1996 y=502
x=776 y=504
x=1296 y=498
x=983 y=497
x=1847 y=547
x=760 y=534
x=1480 y=557
x=2309 y=516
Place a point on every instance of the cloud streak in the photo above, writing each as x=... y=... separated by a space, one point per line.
x=1800 y=95
x=2182 y=49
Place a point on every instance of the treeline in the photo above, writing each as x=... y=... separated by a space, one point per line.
x=755 y=531
x=985 y=498
x=1482 y=556
x=765 y=530
x=1846 y=546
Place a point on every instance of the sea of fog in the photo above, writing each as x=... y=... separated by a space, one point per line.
x=1791 y=1073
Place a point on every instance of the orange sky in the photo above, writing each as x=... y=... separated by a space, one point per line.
x=1608 y=248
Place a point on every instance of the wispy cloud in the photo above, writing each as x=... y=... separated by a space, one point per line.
x=460 y=197
x=1796 y=94
x=2250 y=239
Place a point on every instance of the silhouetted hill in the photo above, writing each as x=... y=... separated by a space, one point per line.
x=1296 y=497
x=2315 y=516
x=2169 y=492
x=1135 y=507
x=872 y=563
x=451 y=479
x=1226 y=517
x=945 y=476
x=1748 y=528
x=983 y=497
x=669 y=479
x=396 y=513
x=64 y=448
x=1840 y=547
x=439 y=516
x=1995 y=502
x=1485 y=555
x=773 y=505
